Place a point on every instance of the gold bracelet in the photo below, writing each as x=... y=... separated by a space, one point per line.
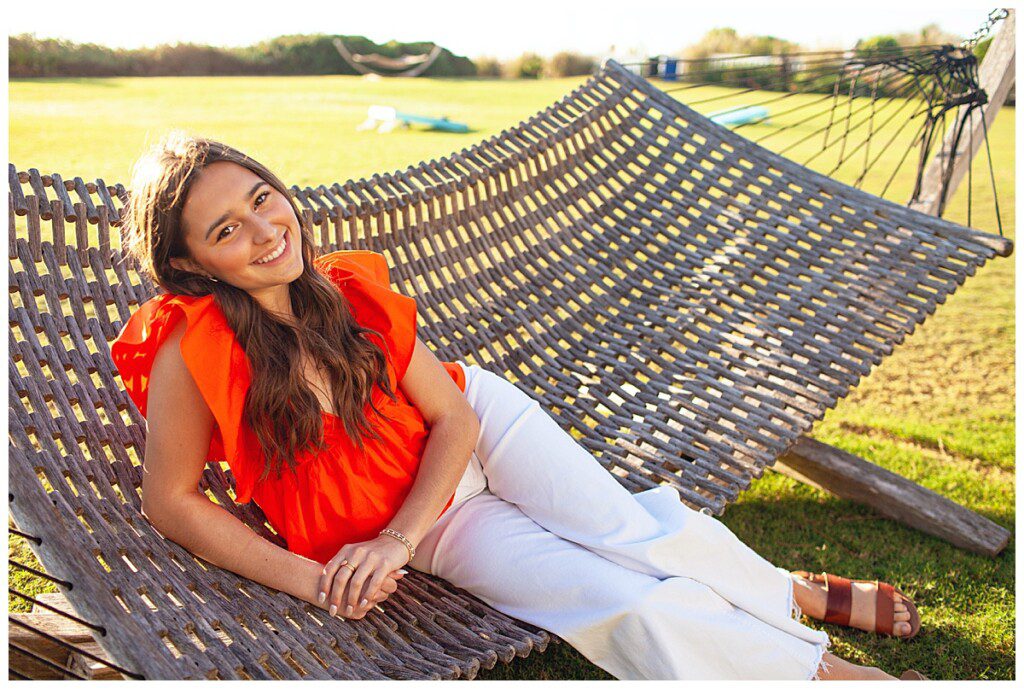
x=401 y=537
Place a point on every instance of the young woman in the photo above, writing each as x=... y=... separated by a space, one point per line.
x=367 y=454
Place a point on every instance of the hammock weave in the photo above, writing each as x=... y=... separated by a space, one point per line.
x=684 y=302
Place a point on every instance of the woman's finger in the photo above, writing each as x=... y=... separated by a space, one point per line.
x=327 y=575
x=339 y=586
x=372 y=587
x=364 y=570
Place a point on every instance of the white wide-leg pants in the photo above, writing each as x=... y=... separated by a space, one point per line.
x=642 y=585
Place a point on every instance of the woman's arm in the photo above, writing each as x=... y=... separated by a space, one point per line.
x=454 y=429
x=180 y=425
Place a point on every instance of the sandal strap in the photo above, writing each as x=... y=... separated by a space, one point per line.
x=840 y=599
x=885 y=600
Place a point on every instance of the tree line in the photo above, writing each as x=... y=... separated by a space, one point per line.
x=30 y=56
x=313 y=54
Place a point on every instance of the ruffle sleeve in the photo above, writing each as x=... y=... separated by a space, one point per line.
x=362 y=276
x=218 y=365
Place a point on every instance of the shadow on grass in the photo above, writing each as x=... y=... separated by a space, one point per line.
x=558 y=661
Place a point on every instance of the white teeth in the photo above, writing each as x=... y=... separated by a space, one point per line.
x=277 y=252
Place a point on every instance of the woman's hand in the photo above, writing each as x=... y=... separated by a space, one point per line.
x=353 y=588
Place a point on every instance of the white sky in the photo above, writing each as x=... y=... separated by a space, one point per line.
x=500 y=28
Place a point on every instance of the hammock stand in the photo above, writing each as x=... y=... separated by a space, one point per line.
x=684 y=302
x=384 y=66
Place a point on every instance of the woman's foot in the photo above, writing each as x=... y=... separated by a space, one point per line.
x=834 y=668
x=812 y=598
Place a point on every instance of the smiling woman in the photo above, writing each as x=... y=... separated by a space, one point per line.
x=203 y=219
x=288 y=368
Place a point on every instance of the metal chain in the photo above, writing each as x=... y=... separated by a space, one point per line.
x=994 y=17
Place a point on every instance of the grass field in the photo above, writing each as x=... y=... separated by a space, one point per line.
x=940 y=410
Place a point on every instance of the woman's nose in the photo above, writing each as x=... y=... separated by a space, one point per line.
x=263 y=230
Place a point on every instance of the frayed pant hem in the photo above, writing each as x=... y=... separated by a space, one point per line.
x=820 y=664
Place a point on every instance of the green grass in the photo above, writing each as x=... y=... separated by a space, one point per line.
x=940 y=410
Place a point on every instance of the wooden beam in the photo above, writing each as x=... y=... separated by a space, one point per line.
x=850 y=477
x=996 y=77
x=64 y=629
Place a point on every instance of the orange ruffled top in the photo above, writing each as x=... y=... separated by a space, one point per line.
x=335 y=496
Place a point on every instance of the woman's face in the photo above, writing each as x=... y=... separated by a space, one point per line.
x=234 y=222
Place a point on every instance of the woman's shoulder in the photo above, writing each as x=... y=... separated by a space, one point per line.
x=358 y=264
x=214 y=359
x=196 y=324
x=165 y=310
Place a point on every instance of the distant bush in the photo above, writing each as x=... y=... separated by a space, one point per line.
x=487 y=67
x=30 y=56
x=566 y=64
x=190 y=59
x=526 y=66
x=877 y=45
x=728 y=41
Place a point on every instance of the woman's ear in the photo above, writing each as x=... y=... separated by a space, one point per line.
x=183 y=264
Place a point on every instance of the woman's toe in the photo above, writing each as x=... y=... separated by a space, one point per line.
x=901 y=628
x=901 y=617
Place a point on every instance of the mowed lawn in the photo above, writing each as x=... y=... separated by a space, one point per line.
x=940 y=410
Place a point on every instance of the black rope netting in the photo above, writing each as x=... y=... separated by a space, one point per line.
x=873 y=105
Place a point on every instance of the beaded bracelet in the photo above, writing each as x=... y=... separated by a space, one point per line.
x=401 y=537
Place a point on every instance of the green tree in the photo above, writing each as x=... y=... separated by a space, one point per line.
x=877 y=45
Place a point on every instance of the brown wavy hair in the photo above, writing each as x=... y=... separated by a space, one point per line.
x=280 y=406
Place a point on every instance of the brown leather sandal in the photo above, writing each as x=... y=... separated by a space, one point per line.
x=840 y=602
x=912 y=674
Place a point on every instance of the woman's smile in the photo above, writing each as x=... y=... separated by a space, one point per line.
x=277 y=255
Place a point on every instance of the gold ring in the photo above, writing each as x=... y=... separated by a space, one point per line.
x=346 y=563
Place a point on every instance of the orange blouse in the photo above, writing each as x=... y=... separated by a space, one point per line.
x=333 y=497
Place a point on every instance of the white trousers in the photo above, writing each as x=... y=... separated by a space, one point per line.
x=642 y=585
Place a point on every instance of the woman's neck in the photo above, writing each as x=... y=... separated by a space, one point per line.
x=277 y=302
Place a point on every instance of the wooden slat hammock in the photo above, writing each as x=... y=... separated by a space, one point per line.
x=684 y=302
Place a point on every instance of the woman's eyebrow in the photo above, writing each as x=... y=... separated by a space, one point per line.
x=222 y=218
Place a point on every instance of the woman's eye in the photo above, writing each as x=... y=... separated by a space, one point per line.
x=260 y=200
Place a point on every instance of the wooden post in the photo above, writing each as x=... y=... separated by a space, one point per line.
x=996 y=76
x=850 y=477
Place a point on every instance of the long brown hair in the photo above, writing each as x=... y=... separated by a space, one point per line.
x=280 y=406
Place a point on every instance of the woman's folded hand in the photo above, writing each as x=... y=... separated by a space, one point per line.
x=389 y=586
x=361 y=575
